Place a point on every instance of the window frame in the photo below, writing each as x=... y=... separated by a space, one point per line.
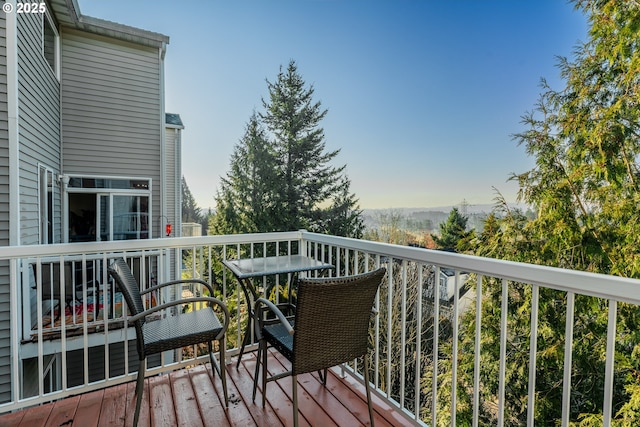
x=46 y=205
x=47 y=21
x=111 y=193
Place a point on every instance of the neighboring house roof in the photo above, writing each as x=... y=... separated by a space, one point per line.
x=67 y=12
x=173 y=120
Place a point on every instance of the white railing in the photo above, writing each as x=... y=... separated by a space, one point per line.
x=403 y=342
x=403 y=351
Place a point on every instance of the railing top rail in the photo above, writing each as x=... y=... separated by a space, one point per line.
x=14 y=252
x=580 y=282
x=599 y=285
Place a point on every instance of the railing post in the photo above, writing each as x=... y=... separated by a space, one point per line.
x=533 y=349
x=13 y=324
x=610 y=360
x=503 y=351
x=568 y=347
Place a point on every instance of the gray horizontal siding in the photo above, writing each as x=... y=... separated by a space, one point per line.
x=39 y=143
x=5 y=341
x=39 y=124
x=111 y=108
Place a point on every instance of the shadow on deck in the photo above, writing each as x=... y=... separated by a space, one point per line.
x=191 y=397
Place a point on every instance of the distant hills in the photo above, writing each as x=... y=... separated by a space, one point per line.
x=428 y=219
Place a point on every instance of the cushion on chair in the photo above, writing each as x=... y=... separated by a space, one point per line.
x=278 y=336
x=172 y=332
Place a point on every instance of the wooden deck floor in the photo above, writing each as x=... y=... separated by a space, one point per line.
x=191 y=397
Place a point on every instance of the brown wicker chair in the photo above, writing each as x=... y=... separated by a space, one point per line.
x=171 y=332
x=331 y=327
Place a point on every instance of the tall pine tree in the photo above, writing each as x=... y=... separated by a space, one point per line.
x=281 y=177
x=245 y=202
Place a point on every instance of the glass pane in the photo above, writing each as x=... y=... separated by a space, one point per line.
x=105 y=216
x=112 y=183
x=130 y=217
x=82 y=217
x=49 y=43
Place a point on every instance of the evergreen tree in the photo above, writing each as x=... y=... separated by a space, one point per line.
x=584 y=187
x=190 y=210
x=281 y=178
x=453 y=232
x=245 y=202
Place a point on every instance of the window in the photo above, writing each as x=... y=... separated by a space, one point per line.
x=45 y=205
x=102 y=209
x=50 y=43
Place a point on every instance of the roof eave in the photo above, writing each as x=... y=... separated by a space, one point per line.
x=67 y=13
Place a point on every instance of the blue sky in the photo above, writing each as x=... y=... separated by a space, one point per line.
x=423 y=95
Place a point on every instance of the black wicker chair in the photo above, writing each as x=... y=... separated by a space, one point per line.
x=331 y=327
x=171 y=332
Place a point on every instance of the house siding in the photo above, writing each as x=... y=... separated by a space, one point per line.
x=112 y=114
x=5 y=343
x=38 y=144
x=39 y=128
x=173 y=178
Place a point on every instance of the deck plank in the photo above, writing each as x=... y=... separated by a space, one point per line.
x=279 y=393
x=12 y=419
x=325 y=399
x=243 y=378
x=112 y=412
x=186 y=404
x=193 y=397
x=130 y=409
x=390 y=415
x=322 y=398
x=161 y=402
x=63 y=412
x=37 y=416
x=211 y=408
x=237 y=413
x=88 y=411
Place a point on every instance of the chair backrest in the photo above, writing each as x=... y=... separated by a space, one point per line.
x=128 y=285
x=332 y=320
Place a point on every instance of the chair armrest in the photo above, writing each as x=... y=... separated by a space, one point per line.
x=175 y=282
x=271 y=306
x=212 y=300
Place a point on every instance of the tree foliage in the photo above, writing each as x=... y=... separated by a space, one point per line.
x=190 y=210
x=281 y=177
x=453 y=232
x=584 y=187
x=246 y=203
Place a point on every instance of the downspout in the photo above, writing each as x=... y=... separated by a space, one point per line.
x=63 y=180
x=163 y=154
x=169 y=266
x=177 y=147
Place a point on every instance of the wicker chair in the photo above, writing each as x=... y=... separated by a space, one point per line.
x=331 y=327
x=171 y=332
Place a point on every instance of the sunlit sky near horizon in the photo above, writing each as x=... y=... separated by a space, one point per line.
x=423 y=96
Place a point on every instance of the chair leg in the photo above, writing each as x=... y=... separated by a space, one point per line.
x=220 y=367
x=212 y=359
x=294 y=392
x=139 y=391
x=223 y=373
x=322 y=373
x=264 y=373
x=366 y=386
x=257 y=370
